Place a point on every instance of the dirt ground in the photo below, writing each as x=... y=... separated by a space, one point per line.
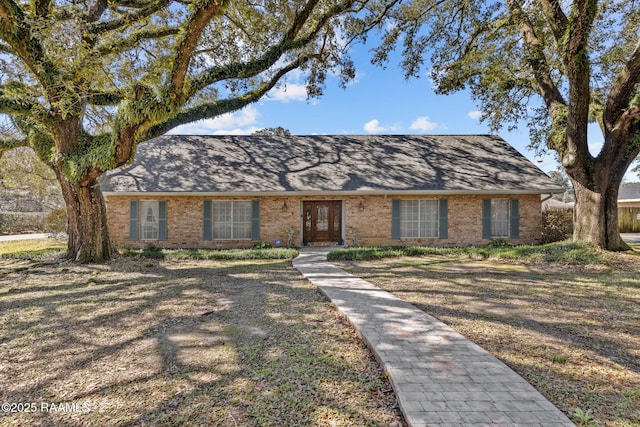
x=193 y=343
x=573 y=331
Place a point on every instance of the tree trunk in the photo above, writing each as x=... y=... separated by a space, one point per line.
x=595 y=215
x=86 y=221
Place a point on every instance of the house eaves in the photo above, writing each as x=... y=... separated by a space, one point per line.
x=332 y=193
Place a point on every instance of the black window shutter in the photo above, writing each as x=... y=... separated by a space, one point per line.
x=395 y=219
x=255 y=220
x=133 y=220
x=515 y=219
x=207 y=224
x=162 y=220
x=443 y=205
x=486 y=219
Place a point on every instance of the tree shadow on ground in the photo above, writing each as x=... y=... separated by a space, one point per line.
x=571 y=331
x=139 y=341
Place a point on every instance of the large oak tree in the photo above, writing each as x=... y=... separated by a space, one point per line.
x=556 y=65
x=83 y=82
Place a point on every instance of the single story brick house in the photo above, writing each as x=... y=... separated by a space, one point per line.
x=230 y=191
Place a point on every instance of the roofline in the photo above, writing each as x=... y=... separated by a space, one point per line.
x=629 y=200
x=332 y=135
x=330 y=193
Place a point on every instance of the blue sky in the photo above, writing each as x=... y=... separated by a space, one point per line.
x=379 y=101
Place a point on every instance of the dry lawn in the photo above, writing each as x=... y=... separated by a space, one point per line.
x=193 y=343
x=572 y=331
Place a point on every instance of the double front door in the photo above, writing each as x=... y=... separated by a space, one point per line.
x=322 y=221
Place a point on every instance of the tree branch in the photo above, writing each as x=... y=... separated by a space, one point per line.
x=103 y=27
x=622 y=90
x=192 y=30
x=132 y=3
x=135 y=37
x=537 y=60
x=217 y=108
x=40 y=7
x=252 y=68
x=105 y=98
x=17 y=33
x=622 y=144
x=556 y=18
x=370 y=24
x=96 y=10
x=578 y=69
x=300 y=19
x=7 y=144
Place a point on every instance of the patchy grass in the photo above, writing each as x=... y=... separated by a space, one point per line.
x=140 y=341
x=35 y=248
x=563 y=252
x=571 y=329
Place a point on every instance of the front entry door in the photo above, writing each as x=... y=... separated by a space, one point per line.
x=322 y=221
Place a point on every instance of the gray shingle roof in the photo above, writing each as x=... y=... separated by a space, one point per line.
x=314 y=164
x=629 y=191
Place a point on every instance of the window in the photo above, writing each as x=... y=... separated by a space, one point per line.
x=500 y=224
x=419 y=218
x=148 y=220
x=149 y=215
x=500 y=218
x=231 y=220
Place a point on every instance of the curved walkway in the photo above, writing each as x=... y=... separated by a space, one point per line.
x=439 y=377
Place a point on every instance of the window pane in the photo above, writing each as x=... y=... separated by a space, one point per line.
x=429 y=218
x=148 y=217
x=242 y=220
x=500 y=218
x=307 y=218
x=222 y=219
x=409 y=218
x=322 y=218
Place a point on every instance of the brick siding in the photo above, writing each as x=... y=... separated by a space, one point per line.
x=365 y=218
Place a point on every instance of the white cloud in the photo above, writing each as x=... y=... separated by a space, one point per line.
x=288 y=92
x=373 y=126
x=237 y=123
x=475 y=115
x=423 y=124
x=595 y=147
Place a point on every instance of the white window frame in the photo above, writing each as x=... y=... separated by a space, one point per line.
x=416 y=224
x=500 y=218
x=149 y=227
x=235 y=226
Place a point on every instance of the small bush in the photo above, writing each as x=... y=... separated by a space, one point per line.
x=261 y=245
x=566 y=253
x=56 y=221
x=557 y=225
x=152 y=251
x=499 y=243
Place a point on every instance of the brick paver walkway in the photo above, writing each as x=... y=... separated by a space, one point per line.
x=439 y=377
